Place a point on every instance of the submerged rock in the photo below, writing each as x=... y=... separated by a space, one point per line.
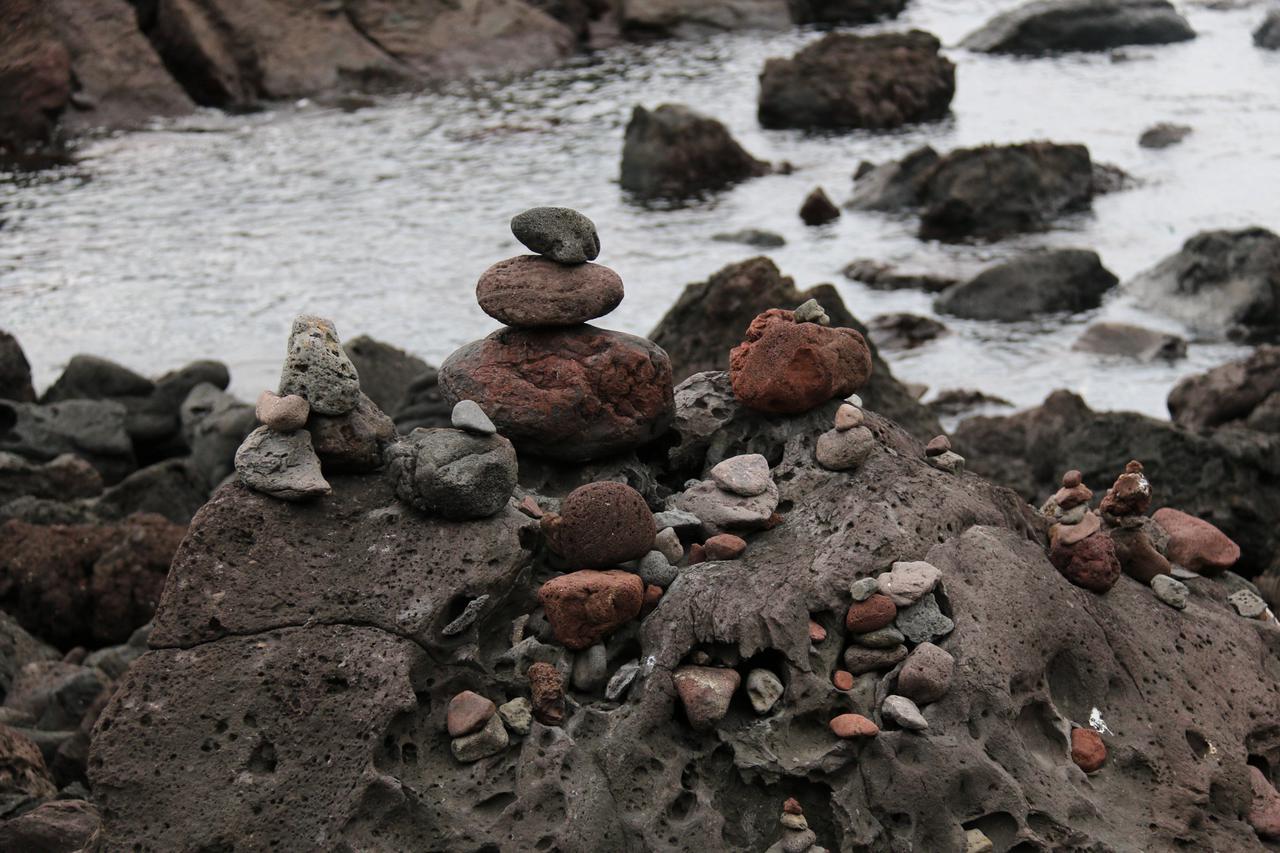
x=1267 y=35
x=1044 y=26
x=672 y=151
x=1037 y=283
x=1131 y=342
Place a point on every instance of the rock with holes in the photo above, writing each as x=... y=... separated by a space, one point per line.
x=705 y=692
x=1247 y=603
x=317 y=369
x=454 y=474
x=546 y=693
x=853 y=726
x=875 y=612
x=1171 y=591
x=354 y=442
x=926 y=675
x=1090 y=563
x=586 y=606
x=600 y=525
x=560 y=233
x=1264 y=809
x=924 y=621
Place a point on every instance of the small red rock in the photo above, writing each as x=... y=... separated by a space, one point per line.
x=585 y=607
x=1073 y=492
x=816 y=632
x=937 y=446
x=1131 y=494
x=530 y=508
x=546 y=693
x=697 y=554
x=792 y=806
x=843 y=680
x=705 y=692
x=724 y=546
x=652 y=595
x=854 y=725
x=1196 y=544
x=529 y=290
x=1071 y=479
x=467 y=713
x=870 y=615
x=1138 y=557
x=1087 y=749
x=1090 y=563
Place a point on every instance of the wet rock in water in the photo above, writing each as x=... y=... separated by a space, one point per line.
x=55 y=826
x=560 y=233
x=903 y=713
x=64 y=477
x=386 y=372
x=317 y=369
x=574 y=394
x=281 y=464
x=705 y=692
x=1195 y=543
x=1220 y=284
x=879 y=276
x=1046 y=26
x=1230 y=393
x=453 y=474
x=904 y=331
x=926 y=674
x=531 y=292
x=788 y=367
x=1131 y=342
x=586 y=606
x=853 y=726
x=355 y=442
x=646 y=19
x=15 y=371
x=764 y=690
x=672 y=151
x=747 y=475
x=490 y=740
x=282 y=414
x=958 y=401
x=467 y=713
x=1041 y=282
x=844 y=12
x=91 y=429
x=890 y=186
x=89 y=377
x=844 y=81
x=1264 y=807
x=757 y=237
x=1087 y=750
x=1267 y=36
x=818 y=209
x=1163 y=135
x=601 y=524
x=469 y=417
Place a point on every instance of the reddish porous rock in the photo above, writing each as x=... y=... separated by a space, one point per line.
x=467 y=713
x=601 y=524
x=574 y=393
x=1264 y=810
x=724 y=546
x=854 y=725
x=546 y=693
x=705 y=692
x=870 y=615
x=843 y=679
x=1087 y=749
x=816 y=632
x=534 y=291
x=1131 y=494
x=937 y=446
x=1073 y=492
x=585 y=607
x=1195 y=543
x=1090 y=563
x=786 y=367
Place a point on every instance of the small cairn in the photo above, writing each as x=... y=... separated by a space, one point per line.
x=1124 y=508
x=555 y=386
x=739 y=497
x=848 y=443
x=939 y=454
x=797 y=837
x=1078 y=547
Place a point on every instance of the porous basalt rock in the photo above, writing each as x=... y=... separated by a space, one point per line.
x=788 y=367
x=353 y=442
x=560 y=233
x=601 y=525
x=586 y=606
x=281 y=464
x=454 y=474
x=317 y=369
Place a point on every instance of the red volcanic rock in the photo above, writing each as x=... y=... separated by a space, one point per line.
x=546 y=693
x=1069 y=534
x=467 y=713
x=816 y=632
x=574 y=393
x=843 y=679
x=1195 y=543
x=870 y=615
x=601 y=524
x=724 y=546
x=1131 y=494
x=785 y=367
x=534 y=291
x=1087 y=749
x=652 y=595
x=1073 y=492
x=792 y=806
x=705 y=692
x=1090 y=563
x=585 y=607
x=854 y=725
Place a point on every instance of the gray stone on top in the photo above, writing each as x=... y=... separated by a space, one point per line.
x=923 y=622
x=467 y=415
x=454 y=474
x=317 y=369
x=283 y=465
x=560 y=233
x=746 y=475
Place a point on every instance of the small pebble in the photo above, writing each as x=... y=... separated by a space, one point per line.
x=937 y=446
x=859 y=660
x=874 y=613
x=854 y=725
x=467 y=713
x=746 y=475
x=468 y=416
x=883 y=638
x=854 y=400
x=1087 y=749
x=903 y=712
x=950 y=461
x=811 y=312
x=1247 y=603
x=530 y=507
x=667 y=542
x=724 y=546
x=864 y=588
x=843 y=679
x=764 y=690
x=1171 y=592
x=466 y=618
x=282 y=414
x=816 y=632
x=839 y=451
x=924 y=621
x=976 y=841
x=908 y=582
x=848 y=417
x=517 y=714
x=560 y=233
x=591 y=669
x=655 y=569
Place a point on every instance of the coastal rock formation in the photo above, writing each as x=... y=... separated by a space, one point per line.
x=1245 y=392
x=1131 y=341
x=1045 y=26
x=672 y=151
x=1036 y=283
x=845 y=81
x=15 y=371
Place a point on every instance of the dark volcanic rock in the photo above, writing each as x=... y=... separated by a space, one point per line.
x=454 y=474
x=35 y=75
x=1221 y=283
x=710 y=318
x=91 y=429
x=844 y=12
x=15 y=371
x=353 y=442
x=386 y=372
x=905 y=331
x=845 y=81
x=673 y=152
x=880 y=276
x=1037 y=283
x=214 y=424
x=957 y=401
x=818 y=209
x=24 y=776
x=601 y=525
x=1163 y=135
x=1044 y=26
x=560 y=233
x=65 y=477
x=88 y=377
x=1131 y=342
x=1268 y=33
x=424 y=405
x=1231 y=392
x=57 y=826
x=1228 y=477
x=577 y=393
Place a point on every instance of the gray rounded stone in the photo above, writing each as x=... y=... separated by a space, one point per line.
x=517 y=715
x=281 y=464
x=882 y=638
x=559 y=233
x=317 y=369
x=864 y=588
x=453 y=474
x=467 y=415
x=763 y=689
x=667 y=542
x=591 y=669
x=902 y=712
x=1171 y=591
x=840 y=450
x=746 y=475
x=654 y=568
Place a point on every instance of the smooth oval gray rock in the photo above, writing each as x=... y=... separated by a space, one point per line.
x=1171 y=591
x=281 y=464
x=560 y=233
x=317 y=369
x=903 y=712
x=746 y=475
x=452 y=473
x=469 y=417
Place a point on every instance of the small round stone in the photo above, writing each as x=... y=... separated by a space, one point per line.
x=1071 y=479
x=467 y=713
x=705 y=692
x=490 y=740
x=876 y=612
x=585 y=607
x=903 y=712
x=848 y=416
x=840 y=450
x=531 y=292
x=816 y=632
x=1195 y=543
x=282 y=414
x=854 y=726
x=468 y=416
x=764 y=689
x=907 y=582
x=792 y=806
x=1172 y=592
x=600 y=525
x=668 y=543
x=560 y=233
x=1087 y=749
x=746 y=475
x=843 y=679
x=1247 y=603
x=859 y=660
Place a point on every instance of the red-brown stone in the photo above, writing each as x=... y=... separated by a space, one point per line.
x=1087 y=749
x=724 y=546
x=467 y=713
x=1138 y=557
x=705 y=692
x=816 y=632
x=785 y=367
x=1195 y=543
x=534 y=291
x=1130 y=495
x=585 y=607
x=843 y=679
x=854 y=725
x=792 y=806
x=546 y=693
x=601 y=524
x=870 y=615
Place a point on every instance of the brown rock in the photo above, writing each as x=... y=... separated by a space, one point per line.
x=854 y=725
x=870 y=615
x=575 y=393
x=1138 y=556
x=697 y=554
x=57 y=826
x=785 y=367
x=816 y=632
x=15 y=371
x=22 y=767
x=585 y=607
x=534 y=291
x=601 y=524
x=546 y=693
x=859 y=659
x=1195 y=543
x=467 y=713
x=937 y=446
x=926 y=675
x=35 y=74
x=283 y=414
x=792 y=806
x=1090 y=563
x=848 y=416
x=1087 y=749
x=1131 y=494
x=843 y=679
x=724 y=546
x=352 y=443
x=1069 y=534
x=1264 y=810
x=818 y=209
x=652 y=595
x=705 y=692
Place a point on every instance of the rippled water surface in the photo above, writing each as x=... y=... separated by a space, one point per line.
x=204 y=238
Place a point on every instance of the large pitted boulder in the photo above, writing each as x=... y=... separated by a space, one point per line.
x=585 y=607
x=530 y=290
x=672 y=151
x=785 y=366
x=710 y=317
x=575 y=394
x=24 y=776
x=1221 y=283
x=15 y=371
x=454 y=474
x=1045 y=26
x=1040 y=282
x=845 y=81
x=1239 y=392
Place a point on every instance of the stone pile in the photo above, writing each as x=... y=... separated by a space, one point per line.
x=797 y=837
x=739 y=497
x=848 y=443
x=555 y=386
x=1078 y=548
x=939 y=454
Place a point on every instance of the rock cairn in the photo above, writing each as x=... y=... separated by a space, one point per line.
x=555 y=386
x=797 y=837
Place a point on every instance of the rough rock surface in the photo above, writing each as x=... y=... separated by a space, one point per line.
x=1036 y=283
x=599 y=392
x=787 y=367
x=454 y=474
x=35 y=75
x=844 y=12
x=648 y=19
x=386 y=372
x=352 y=442
x=844 y=81
x=15 y=371
x=91 y=429
x=601 y=525
x=672 y=151
x=1230 y=393
x=560 y=233
x=534 y=291
x=281 y=464
x=317 y=369
x=1044 y=26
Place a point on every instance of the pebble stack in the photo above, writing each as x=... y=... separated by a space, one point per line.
x=797 y=837
x=1078 y=547
x=552 y=384
x=739 y=497
x=848 y=444
x=939 y=454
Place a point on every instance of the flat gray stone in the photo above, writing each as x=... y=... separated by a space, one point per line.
x=882 y=638
x=924 y=622
x=1172 y=592
x=281 y=464
x=908 y=581
x=903 y=712
x=678 y=520
x=951 y=462
x=722 y=511
x=317 y=369
x=864 y=588
x=559 y=233
x=1247 y=603
x=859 y=660
x=746 y=475
x=468 y=416
x=622 y=680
